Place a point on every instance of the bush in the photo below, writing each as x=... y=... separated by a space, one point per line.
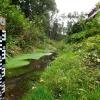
x=92 y=27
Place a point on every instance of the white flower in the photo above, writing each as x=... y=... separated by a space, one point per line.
x=41 y=80
x=98 y=60
x=33 y=87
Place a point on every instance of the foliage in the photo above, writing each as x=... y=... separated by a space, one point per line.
x=35 y=7
x=91 y=28
x=69 y=77
x=75 y=73
x=76 y=22
x=78 y=27
x=98 y=5
x=91 y=45
x=22 y=34
x=38 y=12
x=39 y=93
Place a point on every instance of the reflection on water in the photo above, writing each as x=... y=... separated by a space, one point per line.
x=18 y=85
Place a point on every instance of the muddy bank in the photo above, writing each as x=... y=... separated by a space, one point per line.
x=17 y=86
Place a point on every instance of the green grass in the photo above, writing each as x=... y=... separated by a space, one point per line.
x=22 y=60
x=69 y=77
x=74 y=74
x=94 y=94
x=39 y=93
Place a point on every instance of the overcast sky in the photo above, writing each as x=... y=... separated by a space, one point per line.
x=66 y=6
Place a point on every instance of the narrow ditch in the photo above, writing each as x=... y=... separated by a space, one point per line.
x=17 y=86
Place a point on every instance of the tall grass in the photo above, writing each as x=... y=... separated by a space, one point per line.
x=75 y=73
x=39 y=93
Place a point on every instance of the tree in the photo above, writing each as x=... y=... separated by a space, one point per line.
x=98 y=5
x=56 y=30
x=76 y=22
x=37 y=11
x=35 y=7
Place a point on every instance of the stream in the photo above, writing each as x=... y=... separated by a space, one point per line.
x=18 y=86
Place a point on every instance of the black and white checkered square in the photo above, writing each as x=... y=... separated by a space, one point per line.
x=2 y=62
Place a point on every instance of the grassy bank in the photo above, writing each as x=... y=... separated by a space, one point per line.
x=74 y=74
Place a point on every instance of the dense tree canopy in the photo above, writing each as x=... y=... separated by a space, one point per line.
x=35 y=7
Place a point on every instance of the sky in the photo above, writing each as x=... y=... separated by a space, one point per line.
x=66 y=6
